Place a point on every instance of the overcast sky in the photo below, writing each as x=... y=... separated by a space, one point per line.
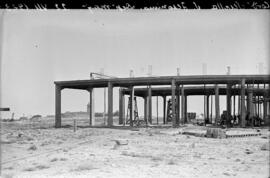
x=39 y=47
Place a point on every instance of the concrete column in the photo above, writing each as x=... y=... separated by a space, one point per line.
x=234 y=105
x=173 y=104
x=145 y=108
x=207 y=107
x=243 y=113
x=157 y=110
x=131 y=105
x=239 y=104
x=264 y=107
x=58 y=106
x=258 y=98
x=149 y=105
x=217 y=104
x=177 y=110
x=211 y=110
x=91 y=107
x=110 y=104
x=250 y=106
x=121 y=106
x=229 y=101
x=164 y=109
x=185 y=113
x=182 y=105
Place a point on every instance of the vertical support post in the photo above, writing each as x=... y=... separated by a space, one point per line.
x=217 y=104
x=157 y=110
x=234 y=105
x=149 y=105
x=207 y=107
x=131 y=105
x=58 y=106
x=164 y=109
x=173 y=104
x=229 y=103
x=145 y=108
x=250 y=107
x=243 y=113
x=258 y=98
x=91 y=107
x=264 y=106
x=268 y=102
x=104 y=112
x=177 y=110
x=110 y=104
x=121 y=106
x=248 y=99
x=211 y=113
x=185 y=113
x=239 y=103
x=182 y=104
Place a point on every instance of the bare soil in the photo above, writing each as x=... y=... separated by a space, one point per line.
x=36 y=149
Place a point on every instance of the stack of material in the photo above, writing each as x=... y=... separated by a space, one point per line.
x=215 y=133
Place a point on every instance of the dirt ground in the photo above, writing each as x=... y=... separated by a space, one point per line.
x=39 y=150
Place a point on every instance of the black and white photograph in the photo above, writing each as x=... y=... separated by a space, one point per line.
x=134 y=93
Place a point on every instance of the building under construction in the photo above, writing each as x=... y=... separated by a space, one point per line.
x=250 y=91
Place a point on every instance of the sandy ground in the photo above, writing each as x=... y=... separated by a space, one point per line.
x=40 y=150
